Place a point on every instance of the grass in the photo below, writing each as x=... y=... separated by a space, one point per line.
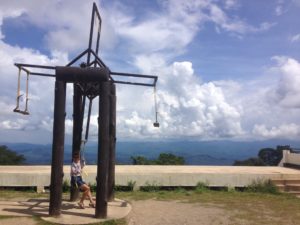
x=243 y=207
x=247 y=207
x=5 y=217
x=13 y=194
x=262 y=186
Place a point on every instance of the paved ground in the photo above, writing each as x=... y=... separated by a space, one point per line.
x=176 y=213
x=146 y=212
x=71 y=213
x=169 y=212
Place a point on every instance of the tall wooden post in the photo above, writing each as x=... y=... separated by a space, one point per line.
x=77 y=132
x=103 y=150
x=112 y=144
x=57 y=149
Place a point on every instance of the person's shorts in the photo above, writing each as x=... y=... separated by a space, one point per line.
x=77 y=181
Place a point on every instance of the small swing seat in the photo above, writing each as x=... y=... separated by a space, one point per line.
x=17 y=110
x=21 y=111
x=156 y=124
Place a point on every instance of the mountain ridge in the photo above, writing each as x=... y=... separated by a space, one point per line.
x=194 y=153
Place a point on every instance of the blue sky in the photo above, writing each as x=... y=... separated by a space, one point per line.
x=228 y=69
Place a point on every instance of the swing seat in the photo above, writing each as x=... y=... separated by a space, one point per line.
x=156 y=124
x=21 y=111
x=17 y=110
x=24 y=112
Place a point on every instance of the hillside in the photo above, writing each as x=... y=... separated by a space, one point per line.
x=195 y=153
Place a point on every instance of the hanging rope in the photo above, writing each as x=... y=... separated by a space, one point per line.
x=82 y=157
x=18 y=91
x=88 y=119
x=26 y=103
x=156 y=123
x=84 y=141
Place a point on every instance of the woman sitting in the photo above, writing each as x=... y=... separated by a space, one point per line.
x=76 y=180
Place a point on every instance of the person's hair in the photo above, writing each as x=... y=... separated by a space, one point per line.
x=76 y=155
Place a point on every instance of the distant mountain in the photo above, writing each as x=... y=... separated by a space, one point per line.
x=195 y=153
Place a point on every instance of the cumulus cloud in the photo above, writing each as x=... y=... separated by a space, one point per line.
x=287 y=92
x=177 y=22
x=289 y=131
x=187 y=106
x=270 y=104
x=40 y=90
x=69 y=32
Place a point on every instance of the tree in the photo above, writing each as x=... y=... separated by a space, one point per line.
x=9 y=157
x=249 y=162
x=169 y=159
x=270 y=156
x=163 y=159
x=266 y=157
x=140 y=160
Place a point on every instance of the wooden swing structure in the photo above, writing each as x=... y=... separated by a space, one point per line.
x=91 y=79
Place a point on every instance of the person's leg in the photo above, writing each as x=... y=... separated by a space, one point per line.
x=87 y=194
x=83 y=188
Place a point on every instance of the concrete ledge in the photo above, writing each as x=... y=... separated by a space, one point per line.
x=219 y=176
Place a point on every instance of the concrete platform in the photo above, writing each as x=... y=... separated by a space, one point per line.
x=232 y=176
x=71 y=213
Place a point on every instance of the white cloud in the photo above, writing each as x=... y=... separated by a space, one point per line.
x=220 y=18
x=290 y=131
x=177 y=22
x=295 y=38
x=188 y=107
x=279 y=10
x=41 y=90
x=287 y=92
x=13 y=124
x=231 y=4
x=8 y=13
x=68 y=31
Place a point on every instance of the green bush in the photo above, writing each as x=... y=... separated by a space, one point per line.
x=169 y=159
x=201 y=187
x=181 y=190
x=231 y=189
x=9 y=157
x=129 y=187
x=262 y=186
x=150 y=187
x=163 y=159
x=66 y=186
x=93 y=187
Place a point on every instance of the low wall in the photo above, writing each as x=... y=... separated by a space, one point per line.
x=214 y=176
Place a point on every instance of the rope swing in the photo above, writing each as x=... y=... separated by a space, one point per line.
x=19 y=95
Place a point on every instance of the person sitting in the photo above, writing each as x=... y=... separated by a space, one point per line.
x=76 y=180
